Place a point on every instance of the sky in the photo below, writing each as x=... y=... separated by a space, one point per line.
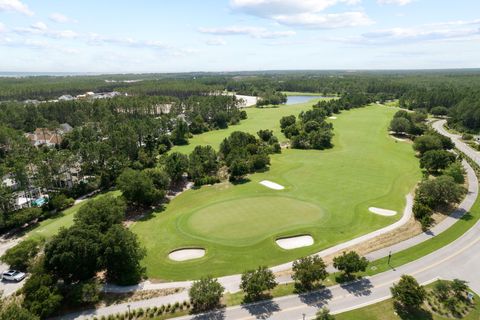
x=234 y=35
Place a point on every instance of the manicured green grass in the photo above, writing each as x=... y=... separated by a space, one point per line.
x=48 y=228
x=258 y=118
x=384 y=311
x=326 y=192
x=429 y=246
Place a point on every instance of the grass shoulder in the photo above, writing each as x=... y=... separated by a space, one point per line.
x=433 y=309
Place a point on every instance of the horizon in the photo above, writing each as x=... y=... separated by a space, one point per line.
x=237 y=35
x=114 y=73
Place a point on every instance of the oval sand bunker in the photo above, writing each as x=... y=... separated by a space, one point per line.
x=382 y=212
x=294 y=242
x=272 y=185
x=186 y=254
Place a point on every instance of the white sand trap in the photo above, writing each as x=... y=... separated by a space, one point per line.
x=294 y=242
x=186 y=254
x=333 y=118
x=399 y=139
x=272 y=185
x=382 y=212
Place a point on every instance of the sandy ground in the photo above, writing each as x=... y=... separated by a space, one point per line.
x=272 y=185
x=295 y=242
x=382 y=212
x=186 y=254
x=248 y=100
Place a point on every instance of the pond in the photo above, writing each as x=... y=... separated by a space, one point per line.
x=300 y=99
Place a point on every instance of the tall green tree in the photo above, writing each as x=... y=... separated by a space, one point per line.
x=307 y=271
x=74 y=253
x=255 y=283
x=350 y=262
x=122 y=256
x=138 y=188
x=101 y=213
x=408 y=293
x=41 y=296
x=176 y=164
x=205 y=294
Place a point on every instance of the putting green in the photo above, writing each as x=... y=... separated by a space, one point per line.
x=327 y=195
x=252 y=217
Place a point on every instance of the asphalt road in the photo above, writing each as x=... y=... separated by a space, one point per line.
x=460 y=259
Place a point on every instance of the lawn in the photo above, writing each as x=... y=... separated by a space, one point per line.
x=49 y=227
x=384 y=311
x=258 y=118
x=327 y=195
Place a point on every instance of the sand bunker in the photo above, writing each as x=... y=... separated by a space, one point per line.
x=398 y=139
x=333 y=118
x=294 y=242
x=272 y=185
x=382 y=212
x=186 y=254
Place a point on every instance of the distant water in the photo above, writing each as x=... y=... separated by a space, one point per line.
x=300 y=99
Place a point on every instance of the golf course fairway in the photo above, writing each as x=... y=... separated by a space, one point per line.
x=326 y=195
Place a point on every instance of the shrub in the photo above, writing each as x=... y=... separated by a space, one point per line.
x=61 y=202
x=20 y=256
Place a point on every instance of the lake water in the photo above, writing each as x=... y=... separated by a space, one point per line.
x=300 y=99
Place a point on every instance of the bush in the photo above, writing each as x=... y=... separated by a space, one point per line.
x=21 y=217
x=439 y=111
x=20 y=256
x=456 y=171
x=440 y=191
x=41 y=295
x=467 y=136
x=436 y=160
x=61 y=202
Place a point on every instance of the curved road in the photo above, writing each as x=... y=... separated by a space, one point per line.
x=460 y=259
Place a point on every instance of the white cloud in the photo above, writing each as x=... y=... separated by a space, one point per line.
x=445 y=31
x=254 y=32
x=61 y=18
x=216 y=42
x=268 y=8
x=326 y=21
x=2 y=28
x=306 y=13
x=97 y=39
x=41 y=29
x=15 y=6
x=395 y=2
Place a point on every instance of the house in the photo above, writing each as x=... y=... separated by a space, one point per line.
x=65 y=128
x=66 y=97
x=44 y=136
x=48 y=137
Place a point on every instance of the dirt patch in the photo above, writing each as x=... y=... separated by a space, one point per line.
x=110 y=298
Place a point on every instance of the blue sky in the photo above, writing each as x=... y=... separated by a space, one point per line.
x=229 y=35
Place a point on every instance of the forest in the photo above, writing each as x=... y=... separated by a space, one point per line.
x=153 y=112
